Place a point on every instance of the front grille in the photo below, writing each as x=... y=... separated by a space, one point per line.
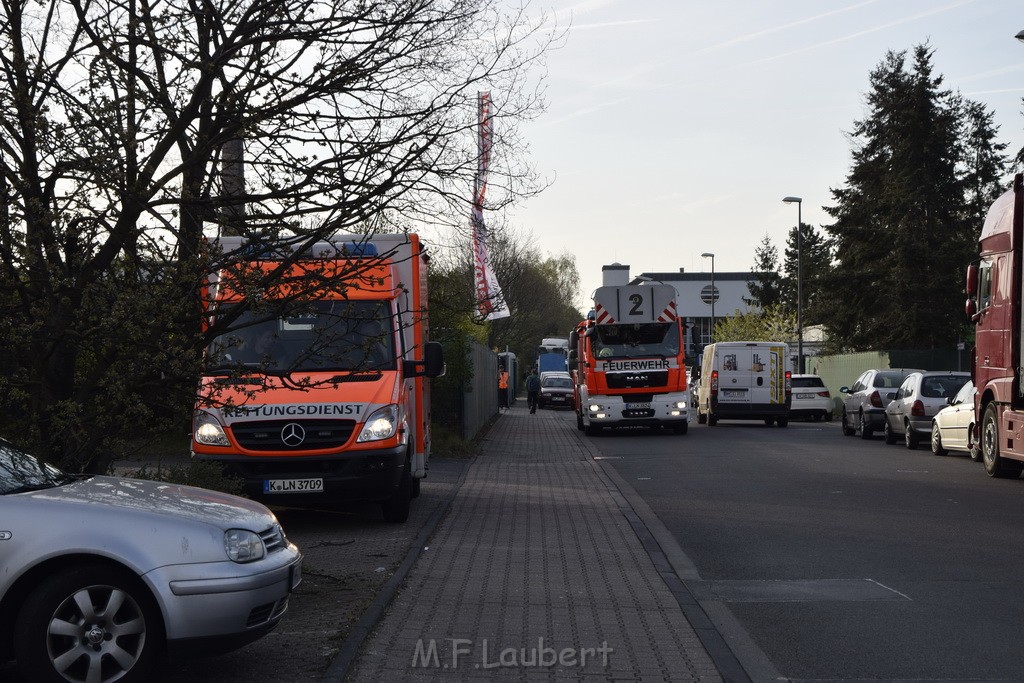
x=273 y=538
x=631 y=380
x=269 y=435
x=638 y=412
x=264 y=613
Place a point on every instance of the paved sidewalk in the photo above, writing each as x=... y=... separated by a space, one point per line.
x=535 y=573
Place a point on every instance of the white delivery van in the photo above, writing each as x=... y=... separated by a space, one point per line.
x=744 y=381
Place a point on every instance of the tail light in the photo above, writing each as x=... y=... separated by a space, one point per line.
x=714 y=380
x=824 y=394
x=917 y=410
x=876 y=400
x=789 y=382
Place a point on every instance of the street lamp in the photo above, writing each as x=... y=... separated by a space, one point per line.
x=799 y=284
x=714 y=294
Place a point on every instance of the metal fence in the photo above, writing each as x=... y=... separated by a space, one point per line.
x=480 y=396
x=843 y=370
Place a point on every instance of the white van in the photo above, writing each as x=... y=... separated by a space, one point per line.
x=744 y=381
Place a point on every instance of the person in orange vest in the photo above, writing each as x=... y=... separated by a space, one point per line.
x=503 y=388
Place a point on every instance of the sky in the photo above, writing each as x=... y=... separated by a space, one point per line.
x=676 y=127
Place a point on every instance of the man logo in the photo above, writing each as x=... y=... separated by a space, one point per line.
x=293 y=434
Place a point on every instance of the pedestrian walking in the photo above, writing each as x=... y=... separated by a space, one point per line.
x=532 y=390
x=503 y=388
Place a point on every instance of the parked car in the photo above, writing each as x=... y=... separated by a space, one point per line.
x=864 y=403
x=953 y=426
x=810 y=398
x=556 y=391
x=922 y=394
x=101 y=577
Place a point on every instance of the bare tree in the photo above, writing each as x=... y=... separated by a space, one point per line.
x=354 y=116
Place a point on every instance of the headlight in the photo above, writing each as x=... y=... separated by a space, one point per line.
x=680 y=404
x=382 y=424
x=208 y=431
x=243 y=545
x=594 y=407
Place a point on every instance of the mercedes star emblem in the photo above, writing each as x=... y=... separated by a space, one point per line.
x=293 y=434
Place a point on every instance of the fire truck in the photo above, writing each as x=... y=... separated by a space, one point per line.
x=627 y=361
x=316 y=392
x=994 y=286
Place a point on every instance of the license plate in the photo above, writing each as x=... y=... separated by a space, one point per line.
x=296 y=577
x=293 y=485
x=733 y=393
x=638 y=406
x=805 y=395
x=558 y=399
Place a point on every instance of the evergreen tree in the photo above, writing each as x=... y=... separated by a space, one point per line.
x=815 y=263
x=765 y=286
x=901 y=221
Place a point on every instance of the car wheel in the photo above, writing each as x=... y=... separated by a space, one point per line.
x=396 y=508
x=579 y=421
x=712 y=419
x=848 y=429
x=702 y=418
x=937 y=448
x=782 y=421
x=91 y=622
x=416 y=487
x=865 y=431
x=769 y=421
x=909 y=436
x=887 y=433
x=973 y=449
x=592 y=429
x=995 y=465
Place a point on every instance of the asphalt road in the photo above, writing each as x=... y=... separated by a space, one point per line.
x=824 y=557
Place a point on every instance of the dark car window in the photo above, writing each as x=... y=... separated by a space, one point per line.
x=20 y=471
x=804 y=382
x=889 y=380
x=557 y=383
x=941 y=387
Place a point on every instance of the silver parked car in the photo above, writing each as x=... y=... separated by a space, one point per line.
x=100 y=577
x=922 y=394
x=864 y=403
x=953 y=426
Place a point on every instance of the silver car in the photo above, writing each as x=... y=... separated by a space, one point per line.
x=922 y=394
x=100 y=577
x=864 y=403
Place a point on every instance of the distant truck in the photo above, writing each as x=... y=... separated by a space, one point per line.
x=994 y=288
x=627 y=361
x=745 y=381
x=326 y=402
x=552 y=354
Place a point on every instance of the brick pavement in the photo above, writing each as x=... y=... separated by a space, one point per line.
x=535 y=573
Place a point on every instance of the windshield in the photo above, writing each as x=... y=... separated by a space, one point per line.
x=325 y=336
x=557 y=383
x=635 y=341
x=20 y=471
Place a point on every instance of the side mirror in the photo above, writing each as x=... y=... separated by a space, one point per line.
x=844 y=390
x=972 y=280
x=971 y=309
x=432 y=364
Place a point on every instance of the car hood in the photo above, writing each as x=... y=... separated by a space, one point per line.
x=159 y=499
